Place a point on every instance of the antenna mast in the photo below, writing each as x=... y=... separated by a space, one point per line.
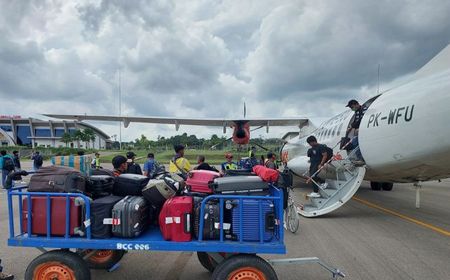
x=120 y=112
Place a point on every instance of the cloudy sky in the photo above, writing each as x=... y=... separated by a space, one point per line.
x=204 y=58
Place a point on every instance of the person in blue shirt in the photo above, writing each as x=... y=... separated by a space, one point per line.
x=150 y=165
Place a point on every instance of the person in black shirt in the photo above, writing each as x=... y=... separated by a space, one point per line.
x=359 y=110
x=133 y=167
x=318 y=157
x=202 y=165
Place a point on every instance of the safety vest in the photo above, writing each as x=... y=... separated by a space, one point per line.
x=229 y=166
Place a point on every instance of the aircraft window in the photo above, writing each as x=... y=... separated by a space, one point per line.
x=339 y=130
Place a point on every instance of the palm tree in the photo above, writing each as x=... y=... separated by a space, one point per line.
x=90 y=135
x=66 y=138
x=78 y=136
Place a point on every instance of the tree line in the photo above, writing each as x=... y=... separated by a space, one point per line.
x=87 y=136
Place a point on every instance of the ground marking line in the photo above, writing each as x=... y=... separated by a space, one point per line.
x=412 y=220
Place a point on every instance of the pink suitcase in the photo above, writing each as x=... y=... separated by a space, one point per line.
x=199 y=180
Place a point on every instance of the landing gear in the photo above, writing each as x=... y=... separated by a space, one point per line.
x=387 y=186
x=378 y=186
x=375 y=186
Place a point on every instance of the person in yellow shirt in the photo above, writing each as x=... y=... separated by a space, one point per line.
x=179 y=164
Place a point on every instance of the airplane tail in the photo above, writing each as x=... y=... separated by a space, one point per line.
x=439 y=63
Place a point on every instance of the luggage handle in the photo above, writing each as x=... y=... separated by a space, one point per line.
x=187 y=223
x=270 y=221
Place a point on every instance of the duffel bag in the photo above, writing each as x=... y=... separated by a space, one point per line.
x=130 y=184
x=267 y=174
x=99 y=185
x=57 y=179
x=158 y=191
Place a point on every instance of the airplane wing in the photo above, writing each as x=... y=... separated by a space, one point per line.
x=300 y=122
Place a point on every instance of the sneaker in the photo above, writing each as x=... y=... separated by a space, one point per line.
x=314 y=195
x=4 y=276
x=324 y=186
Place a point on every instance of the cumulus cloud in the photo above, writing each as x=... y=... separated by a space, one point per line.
x=205 y=58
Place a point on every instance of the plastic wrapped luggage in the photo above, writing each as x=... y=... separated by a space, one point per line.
x=58 y=216
x=175 y=219
x=158 y=191
x=101 y=216
x=130 y=216
x=80 y=163
x=211 y=221
x=130 y=184
x=251 y=220
x=57 y=179
x=99 y=185
x=199 y=180
x=240 y=185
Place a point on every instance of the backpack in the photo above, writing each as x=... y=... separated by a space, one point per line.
x=329 y=152
x=8 y=164
x=38 y=161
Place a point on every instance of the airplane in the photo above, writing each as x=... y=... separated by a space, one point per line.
x=403 y=137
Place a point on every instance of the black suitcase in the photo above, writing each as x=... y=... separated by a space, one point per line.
x=102 y=171
x=158 y=191
x=101 y=216
x=99 y=185
x=130 y=216
x=130 y=184
x=211 y=221
x=245 y=185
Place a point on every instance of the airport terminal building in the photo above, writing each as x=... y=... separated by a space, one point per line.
x=15 y=131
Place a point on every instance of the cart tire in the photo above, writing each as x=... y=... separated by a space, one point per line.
x=206 y=261
x=387 y=186
x=102 y=259
x=60 y=265
x=244 y=267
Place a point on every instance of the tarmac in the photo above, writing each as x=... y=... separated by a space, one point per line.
x=376 y=235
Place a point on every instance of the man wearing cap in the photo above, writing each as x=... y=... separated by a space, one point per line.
x=179 y=164
x=133 y=167
x=359 y=110
x=120 y=165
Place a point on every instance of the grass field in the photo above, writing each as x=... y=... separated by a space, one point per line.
x=212 y=157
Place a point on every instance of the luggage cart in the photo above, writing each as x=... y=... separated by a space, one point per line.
x=72 y=257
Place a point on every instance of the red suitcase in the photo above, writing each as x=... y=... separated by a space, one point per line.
x=198 y=180
x=175 y=219
x=58 y=216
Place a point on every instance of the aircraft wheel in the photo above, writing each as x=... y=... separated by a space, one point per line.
x=387 y=186
x=244 y=267
x=376 y=186
x=58 y=265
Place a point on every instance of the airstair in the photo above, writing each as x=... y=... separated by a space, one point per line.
x=347 y=177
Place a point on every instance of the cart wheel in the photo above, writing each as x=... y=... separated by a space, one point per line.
x=58 y=265
x=206 y=261
x=244 y=267
x=102 y=259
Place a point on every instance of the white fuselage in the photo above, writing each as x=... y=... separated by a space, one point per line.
x=404 y=136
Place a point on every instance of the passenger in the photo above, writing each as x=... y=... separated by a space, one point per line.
x=202 y=165
x=37 y=160
x=150 y=165
x=359 y=110
x=6 y=165
x=270 y=162
x=179 y=164
x=95 y=164
x=133 y=167
x=16 y=160
x=229 y=164
x=318 y=157
x=252 y=152
x=4 y=276
x=120 y=165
